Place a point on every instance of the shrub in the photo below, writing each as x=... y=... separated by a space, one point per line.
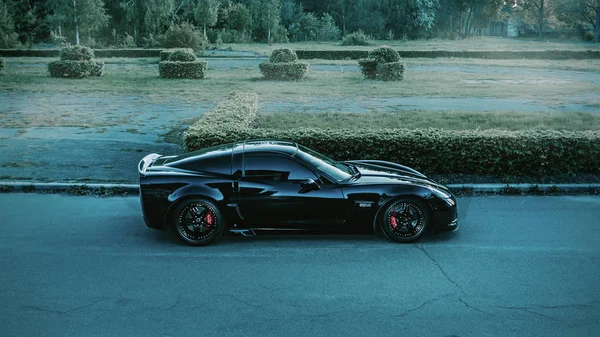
x=358 y=38
x=1 y=64
x=182 y=56
x=392 y=71
x=284 y=71
x=136 y=52
x=176 y=69
x=384 y=55
x=76 y=53
x=76 y=69
x=166 y=53
x=184 y=35
x=236 y=113
x=368 y=67
x=283 y=55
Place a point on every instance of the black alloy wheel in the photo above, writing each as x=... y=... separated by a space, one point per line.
x=198 y=222
x=405 y=220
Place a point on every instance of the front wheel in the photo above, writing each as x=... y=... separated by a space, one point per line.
x=405 y=220
x=198 y=222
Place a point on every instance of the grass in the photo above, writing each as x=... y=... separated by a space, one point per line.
x=452 y=120
x=476 y=43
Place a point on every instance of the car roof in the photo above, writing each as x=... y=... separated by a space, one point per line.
x=266 y=145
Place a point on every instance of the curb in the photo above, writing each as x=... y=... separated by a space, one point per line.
x=106 y=189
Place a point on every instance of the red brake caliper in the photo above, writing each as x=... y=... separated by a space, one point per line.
x=209 y=219
x=393 y=220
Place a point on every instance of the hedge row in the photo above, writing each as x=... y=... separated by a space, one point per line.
x=99 y=52
x=176 y=69
x=432 y=151
x=236 y=113
x=510 y=55
x=165 y=54
x=284 y=71
x=76 y=69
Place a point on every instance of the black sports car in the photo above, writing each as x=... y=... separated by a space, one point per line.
x=271 y=184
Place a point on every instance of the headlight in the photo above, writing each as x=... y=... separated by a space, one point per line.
x=446 y=196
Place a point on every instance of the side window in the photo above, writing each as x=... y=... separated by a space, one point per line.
x=274 y=169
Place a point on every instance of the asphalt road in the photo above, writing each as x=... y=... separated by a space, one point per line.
x=86 y=266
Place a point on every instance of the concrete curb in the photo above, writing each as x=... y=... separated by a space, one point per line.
x=133 y=189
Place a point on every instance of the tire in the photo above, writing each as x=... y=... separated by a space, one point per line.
x=198 y=222
x=405 y=220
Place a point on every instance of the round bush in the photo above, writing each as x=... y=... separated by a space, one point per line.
x=368 y=67
x=75 y=69
x=284 y=71
x=182 y=56
x=283 y=55
x=76 y=53
x=384 y=55
x=391 y=71
x=358 y=38
x=175 y=69
x=184 y=35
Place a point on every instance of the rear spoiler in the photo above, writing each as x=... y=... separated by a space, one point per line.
x=146 y=162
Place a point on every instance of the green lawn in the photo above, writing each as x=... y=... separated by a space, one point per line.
x=452 y=120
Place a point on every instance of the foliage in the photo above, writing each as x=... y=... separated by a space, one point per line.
x=235 y=17
x=176 y=69
x=384 y=54
x=157 y=14
x=165 y=55
x=76 y=69
x=8 y=36
x=1 y=64
x=184 y=35
x=284 y=71
x=182 y=56
x=307 y=27
x=391 y=71
x=269 y=17
x=432 y=151
x=283 y=55
x=358 y=38
x=76 y=53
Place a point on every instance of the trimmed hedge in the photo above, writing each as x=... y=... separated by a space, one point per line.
x=101 y=53
x=235 y=113
x=165 y=54
x=368 y=67
x=384 y=55
x=175 y=69
x=182 y=56
x=501 y=55
x=391 y=71
x=1 y=64
x=76 y=69
x=76 y=53
x=432 y=151
x=284 y=71
x=283 y=55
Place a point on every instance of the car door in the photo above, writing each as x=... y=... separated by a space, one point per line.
x=276 y=190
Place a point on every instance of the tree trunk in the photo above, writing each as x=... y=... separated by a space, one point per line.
x=541 y=20
x=205 y=30
x=269 y=35
x=76 y=24
x=451 y=25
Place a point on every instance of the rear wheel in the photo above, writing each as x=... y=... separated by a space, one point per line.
x=405 y=220
x=198 y=222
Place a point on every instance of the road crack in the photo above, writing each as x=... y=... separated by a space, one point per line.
x=456 y=285
x=61 y=312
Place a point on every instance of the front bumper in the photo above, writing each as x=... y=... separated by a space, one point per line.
x=446 y=219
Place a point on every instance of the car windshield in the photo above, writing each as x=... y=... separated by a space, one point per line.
x=332 y=168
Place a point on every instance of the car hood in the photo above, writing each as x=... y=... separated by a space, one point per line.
x=380 y=172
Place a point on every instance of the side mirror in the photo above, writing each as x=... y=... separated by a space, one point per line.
x=308 y=185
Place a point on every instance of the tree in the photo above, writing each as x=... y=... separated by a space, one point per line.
x=270 y=15
x=206 y=12
x=581 y=13
x=133 y=15
x=8 y=36
x=86 y=16
x=157 y=14
x=540 y=9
